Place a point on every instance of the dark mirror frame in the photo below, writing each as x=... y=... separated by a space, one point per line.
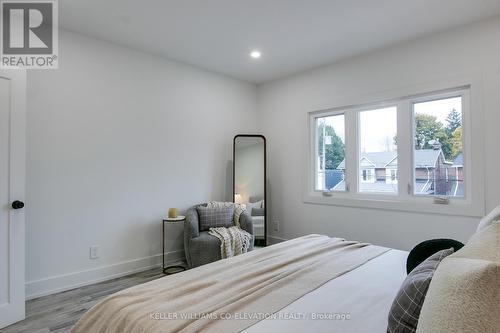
x=266 y=204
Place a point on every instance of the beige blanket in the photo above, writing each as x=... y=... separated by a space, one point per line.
x=233 y=240
x=231 y=294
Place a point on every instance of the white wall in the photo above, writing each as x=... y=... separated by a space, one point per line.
x=115 y=137
x=283 y=105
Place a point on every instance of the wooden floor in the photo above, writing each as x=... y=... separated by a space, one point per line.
x=59 y=312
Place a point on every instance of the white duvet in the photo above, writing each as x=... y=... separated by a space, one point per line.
x=358 y=301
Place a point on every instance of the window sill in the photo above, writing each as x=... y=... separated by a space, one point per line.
x=422 y=205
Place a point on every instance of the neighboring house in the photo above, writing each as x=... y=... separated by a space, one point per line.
x=433 y=174
x=376 y=167
x=458 y=166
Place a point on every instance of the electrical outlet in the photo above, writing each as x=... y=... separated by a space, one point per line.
x=94 y=252
x=276 y=225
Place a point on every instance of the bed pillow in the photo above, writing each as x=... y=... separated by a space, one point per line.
x=252 y=205
x=257 y=204
x=215 y=217
x=464 y=295
x=488 y=219
x=484 y=244
x=427 y=248
x=405 y=309
x=257 y=211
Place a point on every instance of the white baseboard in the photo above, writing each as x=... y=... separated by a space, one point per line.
x=55 y=284
x=275 y=239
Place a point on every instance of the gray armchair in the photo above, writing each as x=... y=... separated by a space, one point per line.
x=202 y=248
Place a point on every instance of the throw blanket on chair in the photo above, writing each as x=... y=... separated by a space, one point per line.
x=233 y=240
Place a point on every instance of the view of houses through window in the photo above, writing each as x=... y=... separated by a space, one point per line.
x=437 y=154
x=378 y=150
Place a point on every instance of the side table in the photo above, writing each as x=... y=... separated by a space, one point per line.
x=175 y=268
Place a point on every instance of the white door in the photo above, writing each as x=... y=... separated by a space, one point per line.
x=12 y=183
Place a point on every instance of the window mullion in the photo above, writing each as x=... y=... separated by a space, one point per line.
x=352 y=160
x=405 y=149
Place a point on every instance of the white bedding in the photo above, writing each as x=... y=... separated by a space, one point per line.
x=365 y=294
x=258 y=225
x=261 y=281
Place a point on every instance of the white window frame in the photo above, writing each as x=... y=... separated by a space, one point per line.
x=464 y=94
x=472 y=204
x=316 y=148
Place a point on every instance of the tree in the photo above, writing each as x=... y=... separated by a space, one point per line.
x=428 y=128
x=456 y=142
x=454 y=121
x=334 y=152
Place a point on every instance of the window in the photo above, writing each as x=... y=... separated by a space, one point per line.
x=330 y=153
x=368 y=175
x=377 y=149
x=391 y=176
x=438 y=147
x=400 y=153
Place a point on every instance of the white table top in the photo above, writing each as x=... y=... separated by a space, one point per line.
x=175 y=219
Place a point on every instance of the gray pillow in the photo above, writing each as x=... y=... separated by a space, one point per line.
x=257 y=211
x=215 y=217
x=405 y=310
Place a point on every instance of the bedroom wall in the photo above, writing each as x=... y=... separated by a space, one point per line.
x=115 y=137
x=284 y=104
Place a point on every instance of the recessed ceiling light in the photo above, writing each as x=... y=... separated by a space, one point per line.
x=255 y=54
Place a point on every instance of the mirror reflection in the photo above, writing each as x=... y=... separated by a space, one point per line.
x=249 y=181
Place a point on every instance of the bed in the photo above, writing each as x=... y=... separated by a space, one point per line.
x=310 y=284
x=258 y=220
x=365 y=294
x=258 y=226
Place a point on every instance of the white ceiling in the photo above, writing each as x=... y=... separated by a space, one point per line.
x=293 y=35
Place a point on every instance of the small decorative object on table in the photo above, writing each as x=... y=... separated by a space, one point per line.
x=175 y=219
x=172 y=213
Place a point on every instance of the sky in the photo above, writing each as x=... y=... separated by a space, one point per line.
x=378 y=127
x=440 y=108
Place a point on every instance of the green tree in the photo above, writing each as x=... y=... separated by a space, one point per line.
x=428 y=128
x=334 y=152
x=454 y=121
x=456 y=142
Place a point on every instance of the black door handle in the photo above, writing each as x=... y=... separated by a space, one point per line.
x=18 y=204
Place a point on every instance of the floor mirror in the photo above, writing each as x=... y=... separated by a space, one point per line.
x=249 y=180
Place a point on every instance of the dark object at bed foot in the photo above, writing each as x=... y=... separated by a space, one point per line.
x=427 y=248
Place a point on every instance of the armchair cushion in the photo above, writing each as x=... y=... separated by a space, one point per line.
x=215 y=217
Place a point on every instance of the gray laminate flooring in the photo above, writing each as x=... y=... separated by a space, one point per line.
x=59 y=312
